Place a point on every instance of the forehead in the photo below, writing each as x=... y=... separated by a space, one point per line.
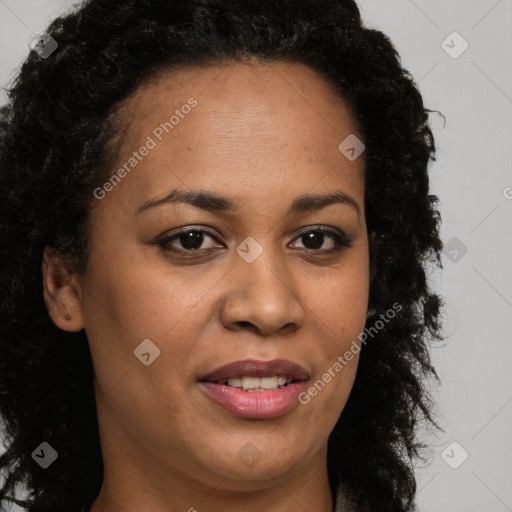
x=259 y=125
x=238 y=100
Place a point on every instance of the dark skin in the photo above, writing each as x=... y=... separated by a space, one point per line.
x=261 y=134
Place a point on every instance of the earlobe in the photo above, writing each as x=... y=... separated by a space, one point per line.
x=62 y=291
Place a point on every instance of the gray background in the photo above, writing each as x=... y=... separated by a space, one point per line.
x=473 y=179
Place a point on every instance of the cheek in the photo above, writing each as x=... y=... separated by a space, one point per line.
x=340 y=308
x=340 y=298
x=133 y=304
x=145 y=300
x=128 y=300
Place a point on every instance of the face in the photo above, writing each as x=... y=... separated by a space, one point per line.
x=254 y=269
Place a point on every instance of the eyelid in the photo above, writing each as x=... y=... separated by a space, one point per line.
x=322 y=228
x=175 y=234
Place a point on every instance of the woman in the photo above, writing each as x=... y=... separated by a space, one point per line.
x=216 y=224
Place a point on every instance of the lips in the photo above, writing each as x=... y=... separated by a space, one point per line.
x=261 y=403
x=257 y=368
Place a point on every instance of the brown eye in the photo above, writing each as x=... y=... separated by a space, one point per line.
x=190 y=240
x=314 y=239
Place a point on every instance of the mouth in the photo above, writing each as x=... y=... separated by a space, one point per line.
x=256 y=389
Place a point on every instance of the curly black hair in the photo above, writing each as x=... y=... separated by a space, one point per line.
x=56 y=146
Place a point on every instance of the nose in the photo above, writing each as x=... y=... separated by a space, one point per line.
x=262 y=298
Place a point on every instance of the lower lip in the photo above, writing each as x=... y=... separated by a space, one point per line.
x=256 y=404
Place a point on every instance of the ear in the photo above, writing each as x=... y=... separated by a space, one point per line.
x=62 y=291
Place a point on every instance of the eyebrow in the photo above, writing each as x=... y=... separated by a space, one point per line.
x=214 y=202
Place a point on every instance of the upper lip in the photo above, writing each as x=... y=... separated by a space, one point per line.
x=257 y=368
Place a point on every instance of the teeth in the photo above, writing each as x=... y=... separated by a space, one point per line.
x=256 y=383
x=250 y=382
x=268 y=382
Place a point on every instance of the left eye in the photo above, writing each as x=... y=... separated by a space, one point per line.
x=315 y=239
x=191 y=240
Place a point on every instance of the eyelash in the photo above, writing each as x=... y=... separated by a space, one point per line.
x=340 y=240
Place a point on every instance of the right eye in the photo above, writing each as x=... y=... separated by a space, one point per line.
x=189 y=239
